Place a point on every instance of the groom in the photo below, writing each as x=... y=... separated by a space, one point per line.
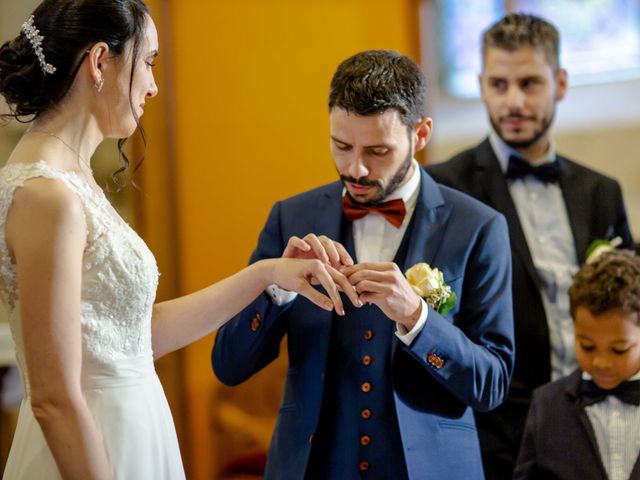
x=387 y=390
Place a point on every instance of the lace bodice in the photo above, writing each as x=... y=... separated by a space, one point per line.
x=119 y=273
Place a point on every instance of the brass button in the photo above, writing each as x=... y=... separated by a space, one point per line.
x=364 y=466
x=365 y=440
x=365 y=387
x=366 y=413
x=435 y=361
x=366 y=360
x=255 y=322
x=311 y=438
x=368 y=334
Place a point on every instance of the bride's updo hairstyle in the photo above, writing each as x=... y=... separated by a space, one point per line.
x=68 y=29
x=38 y=67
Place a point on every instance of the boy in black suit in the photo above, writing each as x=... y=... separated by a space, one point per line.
x=587 y=425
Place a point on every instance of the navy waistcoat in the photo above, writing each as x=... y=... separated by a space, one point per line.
x=358 y=434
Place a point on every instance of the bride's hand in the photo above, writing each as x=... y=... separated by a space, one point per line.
x=318 y=247
x=297 y=275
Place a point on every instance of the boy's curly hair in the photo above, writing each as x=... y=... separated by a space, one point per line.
x=611 y=282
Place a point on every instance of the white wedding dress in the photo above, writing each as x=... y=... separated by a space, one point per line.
x=122 y=390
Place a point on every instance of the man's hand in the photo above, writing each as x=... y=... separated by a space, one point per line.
x=297 y=275
x=332 y=255
x=318 y=247
x=384 y=285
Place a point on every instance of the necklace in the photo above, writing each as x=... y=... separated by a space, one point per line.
x=84 y=162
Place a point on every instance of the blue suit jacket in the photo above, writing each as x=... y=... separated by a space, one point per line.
x=469 y=243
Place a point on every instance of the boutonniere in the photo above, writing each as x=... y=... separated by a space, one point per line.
x=429 y=283
x=598 y=247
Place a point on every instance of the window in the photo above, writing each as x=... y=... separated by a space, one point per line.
x=600 y=39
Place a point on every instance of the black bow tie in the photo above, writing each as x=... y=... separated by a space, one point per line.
x=546 y=173
x=627 y=392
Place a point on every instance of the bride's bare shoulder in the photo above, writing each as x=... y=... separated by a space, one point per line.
x=44 y=206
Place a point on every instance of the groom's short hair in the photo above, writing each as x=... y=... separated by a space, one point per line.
x=374 y=81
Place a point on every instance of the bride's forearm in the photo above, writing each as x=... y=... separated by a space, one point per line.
x=181 y=321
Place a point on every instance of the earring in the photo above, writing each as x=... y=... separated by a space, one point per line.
x=99 y=84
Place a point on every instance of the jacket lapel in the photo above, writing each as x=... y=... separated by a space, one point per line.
x=428 y=223
x=328 y=214
x=578 y=207
x=573 y=392
x=635 y=473
x=426 y=229
x=329 y=220
x=497 y=195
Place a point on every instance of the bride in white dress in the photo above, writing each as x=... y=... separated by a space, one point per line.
x=78 y=282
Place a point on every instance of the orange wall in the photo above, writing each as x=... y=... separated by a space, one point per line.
x=250 y=81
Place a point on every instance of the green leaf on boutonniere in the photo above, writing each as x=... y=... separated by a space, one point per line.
x=445 y=307
x=598 y=247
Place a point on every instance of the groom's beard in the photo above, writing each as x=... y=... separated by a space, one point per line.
x=383 y=192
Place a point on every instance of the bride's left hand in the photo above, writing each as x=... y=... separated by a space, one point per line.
x=298 y=275
x=320 y=247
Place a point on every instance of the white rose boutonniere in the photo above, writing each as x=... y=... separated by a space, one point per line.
x=429 y=283
x=598 y=247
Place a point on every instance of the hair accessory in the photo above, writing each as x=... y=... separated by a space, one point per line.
x=33 y=34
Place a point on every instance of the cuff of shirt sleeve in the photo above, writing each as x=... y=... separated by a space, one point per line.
x=408 y=337
x=279 y=296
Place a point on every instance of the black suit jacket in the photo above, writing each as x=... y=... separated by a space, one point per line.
x=596 y=211
x=559 y=442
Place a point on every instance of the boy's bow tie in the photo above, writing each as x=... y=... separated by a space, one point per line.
x=628 y=392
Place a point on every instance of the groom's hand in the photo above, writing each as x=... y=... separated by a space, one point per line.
x=332 y=255
x=384 y=285
x=318 y=247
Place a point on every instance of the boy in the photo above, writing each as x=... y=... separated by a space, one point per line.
x=587 y=425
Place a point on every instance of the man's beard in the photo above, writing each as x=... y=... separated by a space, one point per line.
x=395 y=181
x=520 y=144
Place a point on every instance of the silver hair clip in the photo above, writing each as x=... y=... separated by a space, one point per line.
x=33 y=34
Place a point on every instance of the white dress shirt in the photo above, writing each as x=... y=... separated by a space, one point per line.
x=617 y=428
x=376 y=240
x=545 y=222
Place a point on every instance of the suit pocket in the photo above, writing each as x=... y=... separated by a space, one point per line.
x=445 y=424
x=288 y=407
x=453 y=438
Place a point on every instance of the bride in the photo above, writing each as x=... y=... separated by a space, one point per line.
x=78 y=282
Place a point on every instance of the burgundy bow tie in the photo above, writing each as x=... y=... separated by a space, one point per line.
x=393 y=210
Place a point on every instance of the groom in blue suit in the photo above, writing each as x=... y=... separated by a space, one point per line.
x=386 y=388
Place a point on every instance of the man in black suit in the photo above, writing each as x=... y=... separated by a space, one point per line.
x=554 y=207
